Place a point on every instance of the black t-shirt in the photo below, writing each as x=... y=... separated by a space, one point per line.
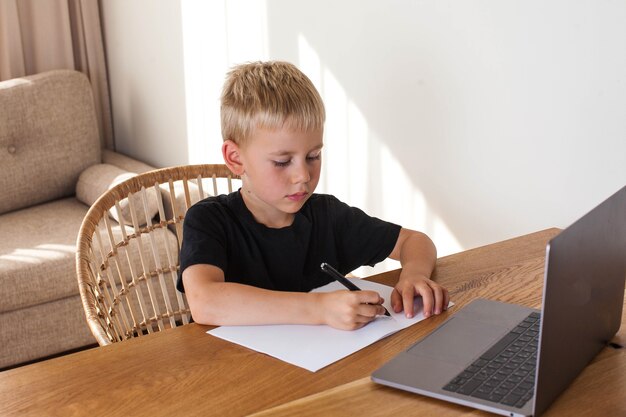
x=221 y=231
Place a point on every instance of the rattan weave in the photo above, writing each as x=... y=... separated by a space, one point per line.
x=127 y=273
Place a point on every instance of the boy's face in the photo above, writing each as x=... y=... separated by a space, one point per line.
x=281 y=169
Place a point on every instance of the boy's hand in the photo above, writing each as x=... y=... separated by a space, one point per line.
x=435 y=297
x=350 y=310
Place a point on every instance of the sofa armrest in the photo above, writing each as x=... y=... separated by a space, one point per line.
x=125 y=162
x=115 y=167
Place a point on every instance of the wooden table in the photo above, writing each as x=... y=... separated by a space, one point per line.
x=185 y=372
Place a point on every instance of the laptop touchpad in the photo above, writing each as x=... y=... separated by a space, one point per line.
x=459 y=340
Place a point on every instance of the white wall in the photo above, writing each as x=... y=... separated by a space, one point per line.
x=474 y=121
x=143 y=42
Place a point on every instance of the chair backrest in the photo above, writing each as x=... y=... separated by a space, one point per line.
x=127 y=269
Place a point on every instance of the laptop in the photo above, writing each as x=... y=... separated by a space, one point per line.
x=513 y=360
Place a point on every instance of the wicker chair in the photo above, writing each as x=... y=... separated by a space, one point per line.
x=127 y=270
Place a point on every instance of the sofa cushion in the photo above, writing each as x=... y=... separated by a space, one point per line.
x=97 y=179
x=48 y=136
x=37 y=253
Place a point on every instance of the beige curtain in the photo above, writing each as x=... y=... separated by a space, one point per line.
x=42 y=35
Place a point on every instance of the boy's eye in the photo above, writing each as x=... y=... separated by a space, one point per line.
x=314 y=157
x=281 y=164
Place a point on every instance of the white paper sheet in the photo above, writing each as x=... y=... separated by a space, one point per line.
x=314 y=347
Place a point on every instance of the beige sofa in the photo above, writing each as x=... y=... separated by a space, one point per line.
x=48 y=138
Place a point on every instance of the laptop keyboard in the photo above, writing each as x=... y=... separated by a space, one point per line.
x=506 y=372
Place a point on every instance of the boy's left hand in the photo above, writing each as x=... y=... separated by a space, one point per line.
x=435 y=297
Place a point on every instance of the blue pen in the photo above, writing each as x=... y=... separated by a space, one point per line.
x=343 y=280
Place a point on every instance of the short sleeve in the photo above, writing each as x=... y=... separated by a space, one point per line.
x=204 y=238
x=361 y=239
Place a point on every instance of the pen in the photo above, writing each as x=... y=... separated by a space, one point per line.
x=343 y=280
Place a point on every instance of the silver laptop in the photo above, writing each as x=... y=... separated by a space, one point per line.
x=513 y=360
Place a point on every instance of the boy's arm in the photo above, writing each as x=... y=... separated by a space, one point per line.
x=216 y=302
x=417 y=255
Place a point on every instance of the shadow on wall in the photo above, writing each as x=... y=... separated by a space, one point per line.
x=417 y=136
x=450 y=100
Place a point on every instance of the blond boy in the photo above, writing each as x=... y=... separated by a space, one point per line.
x=251 y=257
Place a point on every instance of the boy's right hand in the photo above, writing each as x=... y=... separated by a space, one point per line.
x=350 y=310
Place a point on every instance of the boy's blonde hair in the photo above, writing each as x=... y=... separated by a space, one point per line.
x=268 y=95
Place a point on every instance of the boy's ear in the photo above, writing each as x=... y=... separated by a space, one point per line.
x=232 y=157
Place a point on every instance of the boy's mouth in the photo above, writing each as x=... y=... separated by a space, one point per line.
x=298 y=196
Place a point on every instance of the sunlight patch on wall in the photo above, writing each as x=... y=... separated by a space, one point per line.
x=216 y=36
x=360 y=169
x=345 y=152
x=202 y=21
x=447 y=244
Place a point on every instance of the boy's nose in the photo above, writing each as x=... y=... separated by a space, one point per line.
x=301 y=174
